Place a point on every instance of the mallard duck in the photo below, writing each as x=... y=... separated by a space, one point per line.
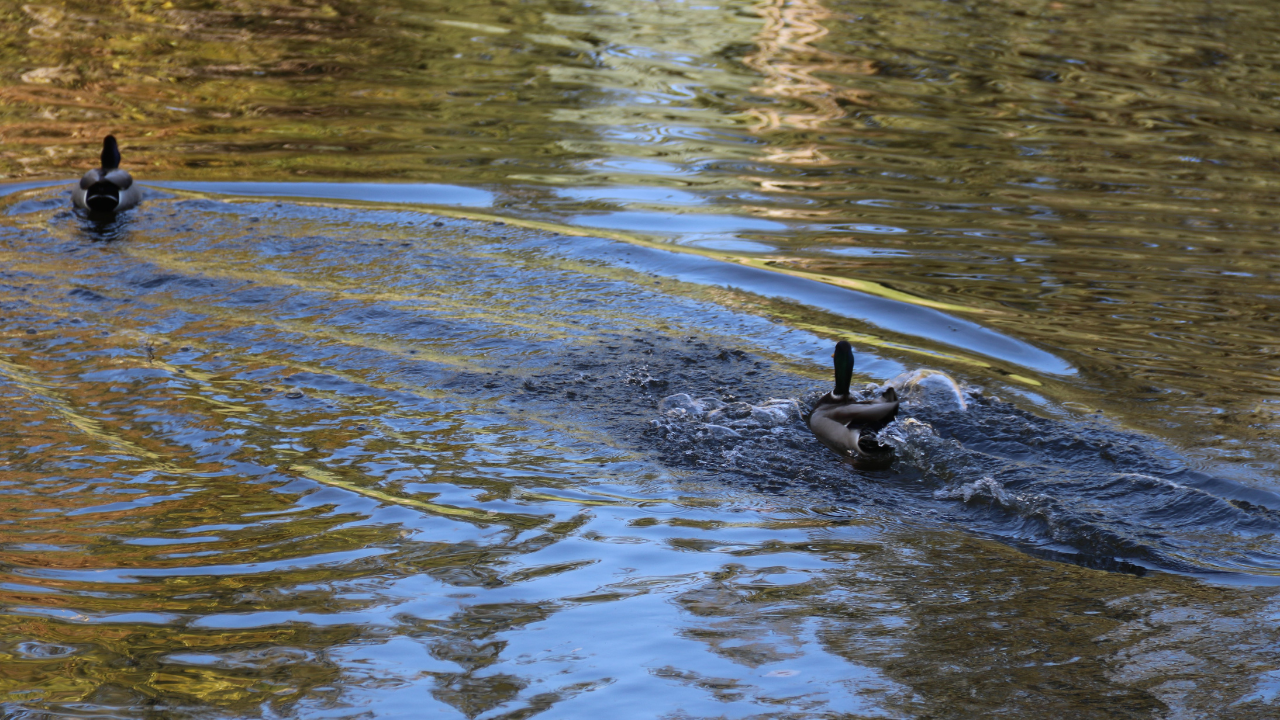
x=849 y=426
x=107 y=189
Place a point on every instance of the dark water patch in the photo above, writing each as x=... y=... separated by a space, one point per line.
x=1080 y=492
x=30 y=206
x=1096 y=488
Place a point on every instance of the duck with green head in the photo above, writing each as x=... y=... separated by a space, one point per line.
x=107 y=189
x=849 y=426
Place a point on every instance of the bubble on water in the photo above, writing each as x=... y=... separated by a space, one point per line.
x=768 y=441
x=985 y=488
x=776 y=412
x=721 y=432
x=678 y=405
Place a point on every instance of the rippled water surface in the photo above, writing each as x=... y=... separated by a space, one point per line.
x=454 y=364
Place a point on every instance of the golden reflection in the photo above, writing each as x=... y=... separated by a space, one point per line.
x=789 y=61
x=332 y=479
x=177 y=538
x=209 y=89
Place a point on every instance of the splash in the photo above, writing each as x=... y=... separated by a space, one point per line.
x=1078 y=491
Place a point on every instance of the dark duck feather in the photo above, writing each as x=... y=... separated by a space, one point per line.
x=107 y=189
x=849 y=426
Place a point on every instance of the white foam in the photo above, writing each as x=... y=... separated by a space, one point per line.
x=985 y=487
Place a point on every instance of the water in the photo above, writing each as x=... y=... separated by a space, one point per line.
x=361 y=413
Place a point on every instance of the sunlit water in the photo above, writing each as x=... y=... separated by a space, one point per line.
x=374 y=407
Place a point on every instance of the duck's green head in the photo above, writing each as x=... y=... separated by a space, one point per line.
x=843 y=357
x=110 y=153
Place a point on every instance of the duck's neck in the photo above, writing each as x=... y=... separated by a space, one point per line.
x=844 y=373
x=110 y=154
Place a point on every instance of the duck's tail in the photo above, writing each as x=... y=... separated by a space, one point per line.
x=102 y=196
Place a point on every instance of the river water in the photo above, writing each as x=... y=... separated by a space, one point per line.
x=453 y=365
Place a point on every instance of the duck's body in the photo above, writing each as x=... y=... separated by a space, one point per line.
x=848 y=426
x=107 y=189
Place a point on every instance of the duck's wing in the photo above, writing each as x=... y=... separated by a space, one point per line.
x=129 y=198
x=120 y=178
x=89 y=178
x=869 y=415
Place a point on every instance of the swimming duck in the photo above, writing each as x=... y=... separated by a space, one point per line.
x=108 y=189
x=849 y=426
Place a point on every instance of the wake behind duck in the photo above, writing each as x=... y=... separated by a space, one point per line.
x=1081 y=491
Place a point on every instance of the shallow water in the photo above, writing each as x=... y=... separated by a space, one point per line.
x=362 y=412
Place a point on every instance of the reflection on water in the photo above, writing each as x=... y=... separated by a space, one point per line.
x=253 y=476
x=403 y=193
x=278 y=458
x=1093 y=180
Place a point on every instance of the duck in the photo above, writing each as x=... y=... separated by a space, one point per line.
x=107 y=189
x=849 y=426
